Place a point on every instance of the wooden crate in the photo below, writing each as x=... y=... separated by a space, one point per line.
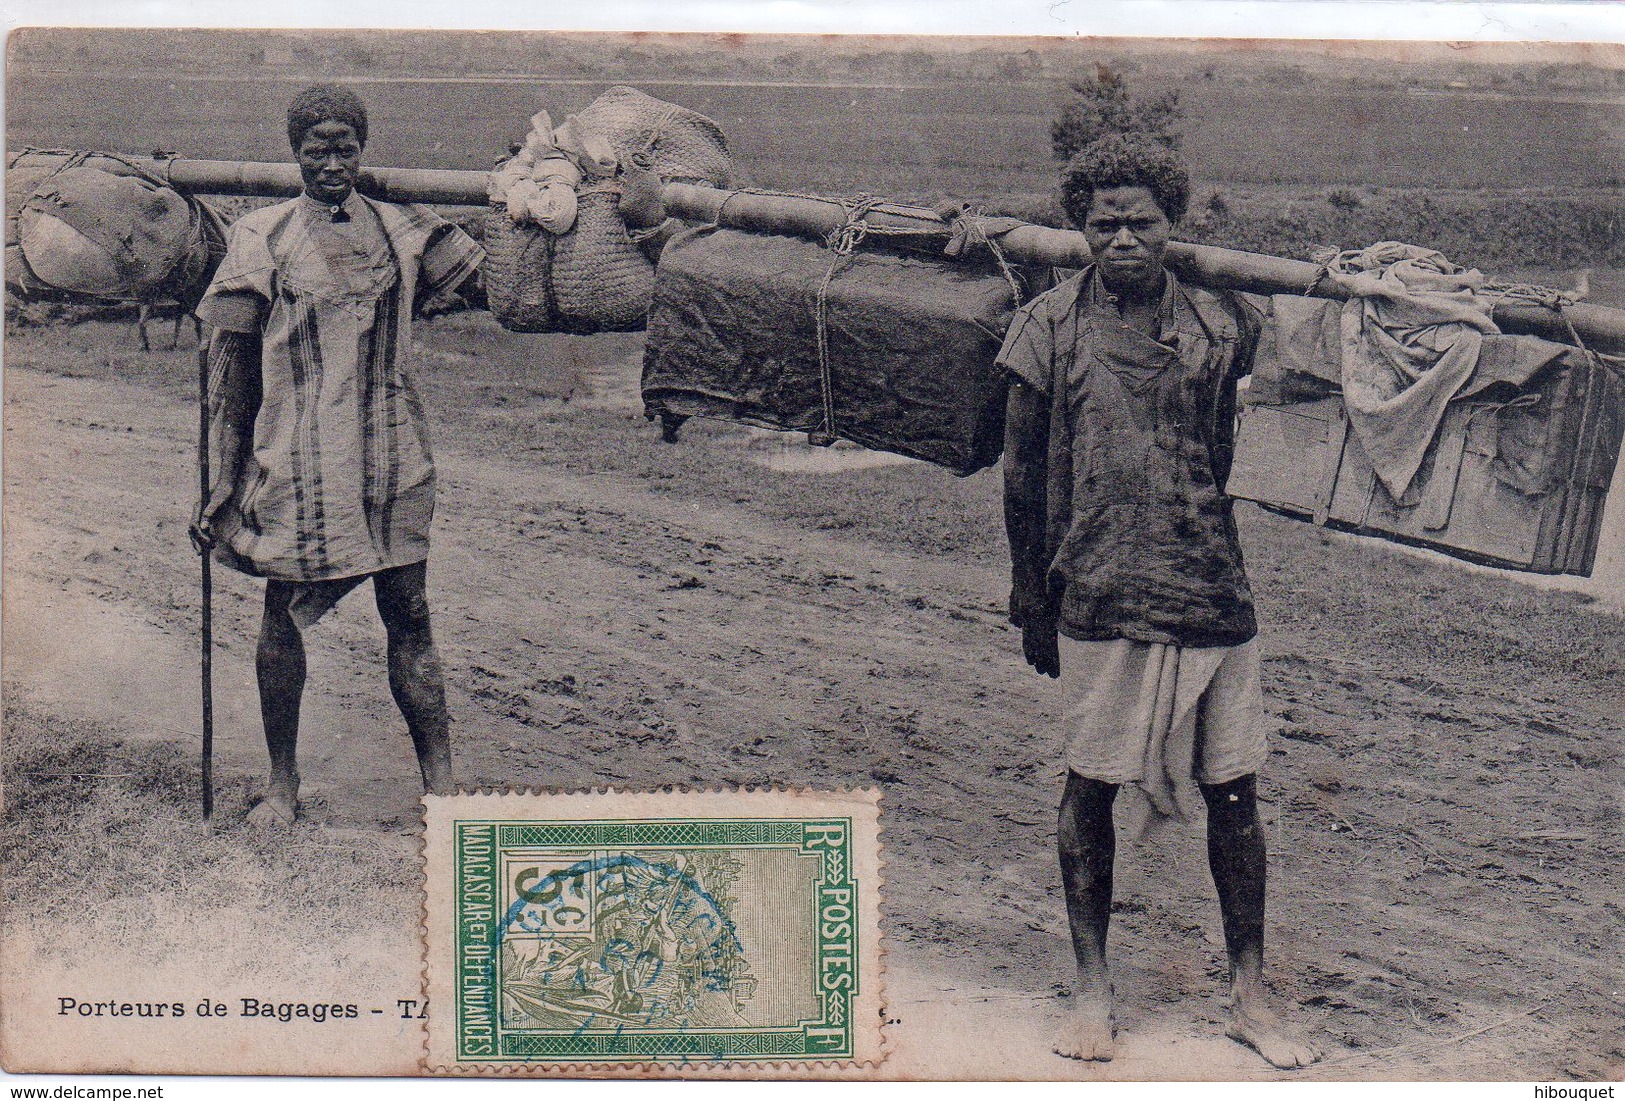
x=1301 y=459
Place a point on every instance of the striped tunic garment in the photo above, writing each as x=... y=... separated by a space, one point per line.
x=340 y=482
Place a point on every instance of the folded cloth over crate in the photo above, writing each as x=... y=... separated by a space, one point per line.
x=910 y=343
x=1300 y=354
x=1301 y=359
x=1516 y=474
x=1411 y=332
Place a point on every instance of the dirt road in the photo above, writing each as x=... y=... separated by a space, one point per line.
x=1440 y=799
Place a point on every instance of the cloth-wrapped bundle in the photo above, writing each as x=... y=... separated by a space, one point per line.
x=1518 y=460
x=680 y=145
x=575 y=213
x=906 y=360
x=95 y=226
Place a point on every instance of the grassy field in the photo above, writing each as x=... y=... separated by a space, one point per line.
x=973 y=139
x=96 y=822
x=1492 y=179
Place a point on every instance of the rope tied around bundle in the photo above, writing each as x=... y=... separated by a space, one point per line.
x=1322 y=270
x=842 y=242
x=966 y=228
x=969 y=227
x=645 y=157
x=1597 y=366
x=1558 y=302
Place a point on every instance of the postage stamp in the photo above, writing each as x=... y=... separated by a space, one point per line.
x=645 y=932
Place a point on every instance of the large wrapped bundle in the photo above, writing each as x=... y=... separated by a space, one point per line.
x=905 y=363
x=1516 y=470
x=678 y=144
x=91 y=225
x=575 y=218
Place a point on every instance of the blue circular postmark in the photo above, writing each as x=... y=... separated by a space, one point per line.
x=621 y=942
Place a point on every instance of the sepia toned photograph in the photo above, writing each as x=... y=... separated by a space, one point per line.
x=1171 y=479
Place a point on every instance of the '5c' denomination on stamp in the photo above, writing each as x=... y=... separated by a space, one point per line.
x=647 y=932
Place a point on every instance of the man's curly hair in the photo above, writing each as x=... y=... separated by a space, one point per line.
x=323 y=103
x=1121 y=160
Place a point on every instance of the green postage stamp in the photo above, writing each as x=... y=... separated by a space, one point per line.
x=645 y=932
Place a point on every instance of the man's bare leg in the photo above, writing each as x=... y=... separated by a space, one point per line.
x=1235 y=852
x=279 y=663
x=415 y=675
x=1088 y=845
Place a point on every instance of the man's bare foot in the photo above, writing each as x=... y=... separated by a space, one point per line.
x=1090 y=1032
x=279 y=806
x=1264 y=1032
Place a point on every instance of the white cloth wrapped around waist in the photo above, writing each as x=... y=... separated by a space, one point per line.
x=1161 y=720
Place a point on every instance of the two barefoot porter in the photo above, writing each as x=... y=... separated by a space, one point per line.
x=1128 y=579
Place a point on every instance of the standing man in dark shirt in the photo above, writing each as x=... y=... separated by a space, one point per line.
x=1128 y=579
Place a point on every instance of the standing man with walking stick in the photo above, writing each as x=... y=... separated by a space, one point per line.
x=324 y=476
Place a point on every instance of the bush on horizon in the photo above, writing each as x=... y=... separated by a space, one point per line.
x=1496 y=231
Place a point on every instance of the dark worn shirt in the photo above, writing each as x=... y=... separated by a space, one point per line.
x=1140 y=539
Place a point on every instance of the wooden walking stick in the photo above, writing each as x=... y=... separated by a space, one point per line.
x=206 y=665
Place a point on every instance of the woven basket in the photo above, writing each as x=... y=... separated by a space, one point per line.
x=518 y=263
x=677 y=143
x=601 y=280
x=596 y=278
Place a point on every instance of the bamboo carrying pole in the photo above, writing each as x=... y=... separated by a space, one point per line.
x=1601 y=327
x=1205 y=265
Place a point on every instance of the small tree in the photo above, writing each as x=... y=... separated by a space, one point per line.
x=1102 y=104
